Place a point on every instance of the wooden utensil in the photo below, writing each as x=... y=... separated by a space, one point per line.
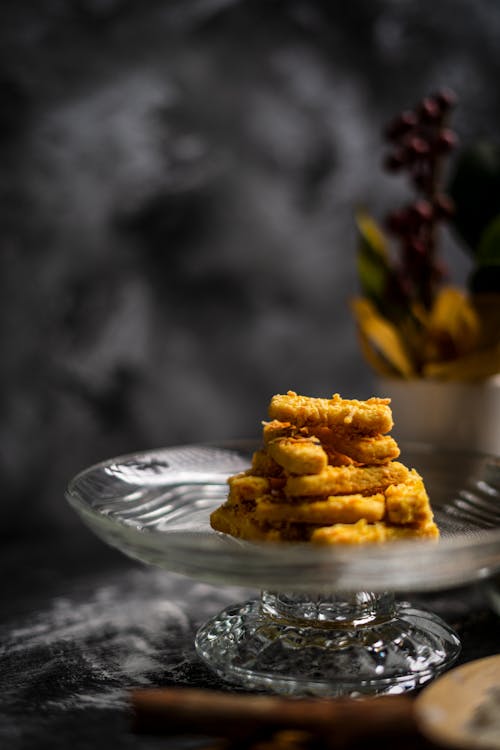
x=461 y=709
x=446 y=713
x=187 y=711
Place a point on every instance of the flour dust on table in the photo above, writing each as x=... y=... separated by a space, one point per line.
x=85 y=652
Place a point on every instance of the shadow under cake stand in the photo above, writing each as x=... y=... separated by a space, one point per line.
x=327 y=622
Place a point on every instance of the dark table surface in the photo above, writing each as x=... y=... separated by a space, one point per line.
x=81 y=624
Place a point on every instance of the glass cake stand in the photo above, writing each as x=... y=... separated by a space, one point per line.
x=327 y=622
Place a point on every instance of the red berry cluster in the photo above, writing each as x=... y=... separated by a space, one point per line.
x=420 y=141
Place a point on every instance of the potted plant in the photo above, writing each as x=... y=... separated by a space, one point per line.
x=435 y=346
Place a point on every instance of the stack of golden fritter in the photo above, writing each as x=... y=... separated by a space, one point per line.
x=327 y=474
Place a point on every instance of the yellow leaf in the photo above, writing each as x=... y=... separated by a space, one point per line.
x=419 y=313
x=453 y=325
x=381 y=342
x=371 y=233
x=375 y=360
x=476 y=365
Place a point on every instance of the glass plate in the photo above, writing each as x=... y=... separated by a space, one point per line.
x=155 y=506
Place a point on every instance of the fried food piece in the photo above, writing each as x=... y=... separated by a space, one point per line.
x=298 y=455
x=371 y=533
x=327 y=474
x=427 y=530
x=242 y=525
x=408 y=502
x=329 y=510
x=342 y=446
x=363 y=449
x=373 y=415
x=264 y=466
x=346 y=480
x=230 y=520
x=276 y=429
x=245 y=487
x=351 y=533
x=337 y=459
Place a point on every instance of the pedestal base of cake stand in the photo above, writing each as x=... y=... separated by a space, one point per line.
x=342 y=645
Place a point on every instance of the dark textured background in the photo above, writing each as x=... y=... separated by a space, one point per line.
x=178 y=182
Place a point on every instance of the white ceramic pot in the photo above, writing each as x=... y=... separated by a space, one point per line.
x=453 y=414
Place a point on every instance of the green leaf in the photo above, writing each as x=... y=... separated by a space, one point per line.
x=373 y=263
x=475 y=189
x=488 y=251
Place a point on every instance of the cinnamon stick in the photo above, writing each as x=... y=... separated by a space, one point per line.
x=204 y=712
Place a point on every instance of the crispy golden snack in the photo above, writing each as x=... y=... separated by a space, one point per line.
x=408 y=503
x=276 y=429
x=337 y=459
x=350 y=533
x=427 y=530
x=327 y=474
x=245 y=487
x=373 y=415
x=364 y=449
x=298 y=455
x=264 y=466
x=329 y=510
x=231 y=521
x=371 y=533
x=346 y=480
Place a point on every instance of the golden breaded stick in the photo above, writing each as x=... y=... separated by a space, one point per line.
x=346 y=480
x=330 y=510
x=335 y=458
x=228 y=521
x=426 y=530
x=276 y=429
x=245 y=487
x=373 y=415
x=408 y=502
x=264 y=466
x=364 y=449
x=244 y=525
x=351 y=533
x=298 y=455
x=371 y=533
